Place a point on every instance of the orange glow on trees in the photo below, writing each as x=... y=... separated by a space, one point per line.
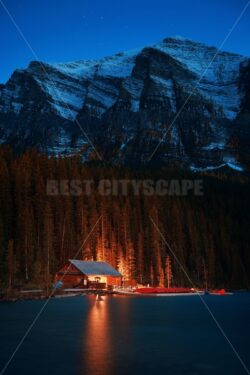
x=169 y=273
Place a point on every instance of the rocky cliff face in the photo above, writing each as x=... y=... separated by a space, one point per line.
x=125 y=104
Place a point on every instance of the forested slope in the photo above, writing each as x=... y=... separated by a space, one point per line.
x=39 y=232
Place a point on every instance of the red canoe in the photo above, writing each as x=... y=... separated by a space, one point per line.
x=158 y=290
x=220 y=292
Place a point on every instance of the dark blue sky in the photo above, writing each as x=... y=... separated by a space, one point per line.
x=64 y=30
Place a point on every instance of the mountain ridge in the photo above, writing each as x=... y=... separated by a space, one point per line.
x=127 y=101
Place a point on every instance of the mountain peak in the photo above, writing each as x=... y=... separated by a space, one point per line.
x=178 y=37
x=180 y=40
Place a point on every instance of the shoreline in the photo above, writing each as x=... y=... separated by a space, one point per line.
x=33 y=295
x=30 y=295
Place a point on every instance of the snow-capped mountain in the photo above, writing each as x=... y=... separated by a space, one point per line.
x=124 y=104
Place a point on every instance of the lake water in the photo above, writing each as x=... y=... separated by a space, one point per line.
x=127 y=335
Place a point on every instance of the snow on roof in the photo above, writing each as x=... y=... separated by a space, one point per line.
x=94 y=268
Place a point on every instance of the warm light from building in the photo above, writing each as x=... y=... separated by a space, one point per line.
x=97 y=340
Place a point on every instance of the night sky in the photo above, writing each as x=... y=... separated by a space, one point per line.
x=65 y=30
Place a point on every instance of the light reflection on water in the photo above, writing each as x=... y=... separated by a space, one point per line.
x=97 y=339
x=106 y=323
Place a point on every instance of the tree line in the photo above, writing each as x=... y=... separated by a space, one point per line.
x=137 y=234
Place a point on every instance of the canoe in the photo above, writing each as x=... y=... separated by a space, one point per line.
x=220 y=292
x=158 y=290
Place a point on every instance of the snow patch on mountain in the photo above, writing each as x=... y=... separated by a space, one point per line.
x=103 y=93
x=217 y=71
x=77 y=69
x=66 y=97
x=64 y=145
x=229 y=161
x=119 y=65
x=134 y=87
x=233 y=163
x=9 y=97
x=215 y=145
x=167 y=89
x=82 y=83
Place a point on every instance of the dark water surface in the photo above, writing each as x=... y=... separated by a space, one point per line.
x=127 y=335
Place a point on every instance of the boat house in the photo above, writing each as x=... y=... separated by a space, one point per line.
x=88 y=274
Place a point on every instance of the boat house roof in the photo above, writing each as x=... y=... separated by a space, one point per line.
x=90 y=268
